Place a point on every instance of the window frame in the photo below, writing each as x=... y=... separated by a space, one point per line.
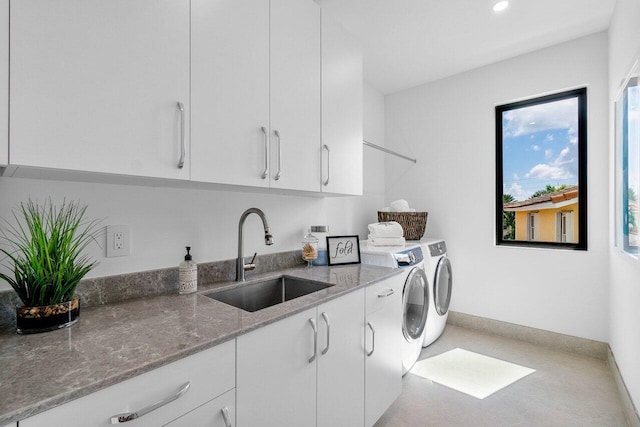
x=581 y=244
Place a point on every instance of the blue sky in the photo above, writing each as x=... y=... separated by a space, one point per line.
x=540 y=147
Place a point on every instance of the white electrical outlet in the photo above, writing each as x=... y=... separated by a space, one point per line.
x=118 y=240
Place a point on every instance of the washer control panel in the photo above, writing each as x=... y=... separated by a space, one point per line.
x=409 y=257
x=438 y=248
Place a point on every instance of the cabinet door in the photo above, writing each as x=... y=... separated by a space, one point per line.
x=219 y=412
x=341 y=110
x=295 y=94
x=341 y=367
x=230 y=91
x=383 y=363
x=4 y=82
x=276 y=382
x=95 y=85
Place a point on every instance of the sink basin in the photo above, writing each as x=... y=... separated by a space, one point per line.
x=259 y=295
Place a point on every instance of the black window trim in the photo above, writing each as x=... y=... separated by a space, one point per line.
x=581 y=94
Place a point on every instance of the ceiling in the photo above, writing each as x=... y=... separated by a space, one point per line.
x=410 y=42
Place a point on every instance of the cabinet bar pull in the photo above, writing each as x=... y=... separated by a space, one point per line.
x=182 y=149
x=388 y=293
x=326 y=147
x=326 y=320
x=279 y=174
x=226 y=416
x=129 y=416
x=315 y=340
x=373 y=339
x=266 y=152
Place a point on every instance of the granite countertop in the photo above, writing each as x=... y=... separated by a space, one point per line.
x=115 y=342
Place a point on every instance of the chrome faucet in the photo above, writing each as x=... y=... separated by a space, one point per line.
x=268 y=240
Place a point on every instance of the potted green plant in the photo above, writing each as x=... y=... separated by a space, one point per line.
x=44 y=249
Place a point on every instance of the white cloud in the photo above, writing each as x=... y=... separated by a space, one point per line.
x=548 y=138
x=573 y=140
x=517 y=191
x=554 y=115
x=544 y=171
x=535 y=148
x=548 y=153
x=516 y=176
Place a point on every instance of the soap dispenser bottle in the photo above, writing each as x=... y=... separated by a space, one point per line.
x=188 y=274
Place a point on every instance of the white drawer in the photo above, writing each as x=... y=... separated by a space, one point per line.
x=211 y=373
x=388 y=291
x=211 y=414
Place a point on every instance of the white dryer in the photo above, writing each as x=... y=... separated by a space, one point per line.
x=415 y=294
x=440 y=277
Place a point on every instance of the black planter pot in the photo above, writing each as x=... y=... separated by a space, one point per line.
x=32 y=320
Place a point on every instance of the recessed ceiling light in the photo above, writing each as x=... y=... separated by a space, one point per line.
x=500 y=6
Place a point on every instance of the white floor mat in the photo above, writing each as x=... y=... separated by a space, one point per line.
x=471 y=373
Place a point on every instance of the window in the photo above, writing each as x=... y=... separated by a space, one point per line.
x=628 y=162
x=532 y=221
x=541 y=171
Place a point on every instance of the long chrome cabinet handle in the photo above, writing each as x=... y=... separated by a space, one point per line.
x=373 y=339
x=129 y=416
x=315 y=340
x=279 y=174
x=182 y=148
x=387 y=293
x=326 y=320
x=226 y=416
x=326 y=147
x=266 y=152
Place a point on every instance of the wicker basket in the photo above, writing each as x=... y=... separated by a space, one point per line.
x=413 y=223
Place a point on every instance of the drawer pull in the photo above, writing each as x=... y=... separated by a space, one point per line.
x=315 y=340
x=226 y=416
x=326 y=320
x=129 y=416
x=373 y=339
x=388 y=293
x=182 y=147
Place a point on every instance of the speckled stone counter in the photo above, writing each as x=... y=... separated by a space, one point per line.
x=114 y=342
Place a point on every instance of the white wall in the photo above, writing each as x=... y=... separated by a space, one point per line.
x=624 y=43
x=449 y=126
x=164 y=220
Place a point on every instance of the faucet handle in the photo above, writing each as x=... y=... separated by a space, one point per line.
x=251 y=265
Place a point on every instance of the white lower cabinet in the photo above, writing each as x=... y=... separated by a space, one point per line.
x=383 y=346
x=220 y=412
x=305 y=370
x=210 y=372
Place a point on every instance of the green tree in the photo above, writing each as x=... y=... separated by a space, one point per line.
x=508 y=219
x=632 y=214
x=548 y=189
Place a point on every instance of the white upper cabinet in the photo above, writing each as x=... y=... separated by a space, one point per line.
x=295 y=94
x=256 y=93
x=341 y=110
x=96 y=86
x=230 y=96
x=4 y=82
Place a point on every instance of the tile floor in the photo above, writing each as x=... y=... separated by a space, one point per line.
x=567 y=389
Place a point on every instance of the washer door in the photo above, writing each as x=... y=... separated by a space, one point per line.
x=415 y=303
x=442 y=286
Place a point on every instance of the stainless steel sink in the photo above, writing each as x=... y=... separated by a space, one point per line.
x=258 y=295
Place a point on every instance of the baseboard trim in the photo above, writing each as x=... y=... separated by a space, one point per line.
x=630 y=411
x=554 y=340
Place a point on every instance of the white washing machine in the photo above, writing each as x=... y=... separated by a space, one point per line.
x=415 y=293
x=438 y=268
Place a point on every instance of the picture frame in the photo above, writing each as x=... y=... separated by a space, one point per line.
x=343 y=250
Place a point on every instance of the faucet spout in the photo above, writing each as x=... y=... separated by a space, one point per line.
x=268 y=240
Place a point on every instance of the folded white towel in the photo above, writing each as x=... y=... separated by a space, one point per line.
x=399 y=206
x=385 y=209
x=386 y=229
x=386 y=241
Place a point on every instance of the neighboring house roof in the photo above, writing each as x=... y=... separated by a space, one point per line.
x=557 y=199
